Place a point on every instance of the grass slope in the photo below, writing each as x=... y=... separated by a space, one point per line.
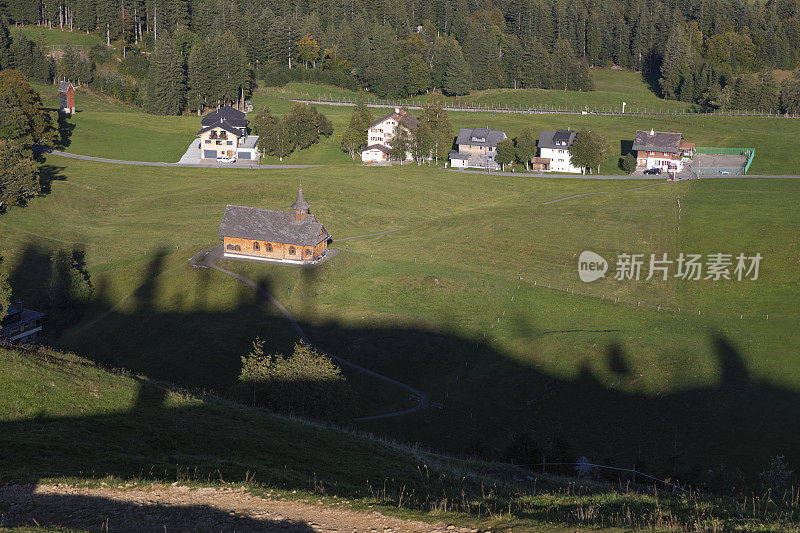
x=82 y=424
x=612 y=88
x=57 y=37
x=442 y=306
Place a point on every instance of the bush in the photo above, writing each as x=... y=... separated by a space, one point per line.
x=628 y=163
x=306 y=383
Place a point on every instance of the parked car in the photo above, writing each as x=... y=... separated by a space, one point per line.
x=653 y=171
x=225 y=159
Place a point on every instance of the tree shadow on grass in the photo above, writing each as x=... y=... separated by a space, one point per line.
x=488 y=398
x=47 y=175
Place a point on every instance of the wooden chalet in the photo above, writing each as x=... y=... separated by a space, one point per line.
x=274 y=236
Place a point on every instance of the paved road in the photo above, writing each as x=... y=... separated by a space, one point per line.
x=195 y=165
x=205 y=259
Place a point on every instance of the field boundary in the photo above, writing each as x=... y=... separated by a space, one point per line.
x=536 y=110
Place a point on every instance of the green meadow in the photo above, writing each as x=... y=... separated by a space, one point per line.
x=612 y=88
x=56 y=37
x=475 y=299
x=455 y=303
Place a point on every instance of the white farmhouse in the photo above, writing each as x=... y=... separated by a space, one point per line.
x=381 y=132
x=555 y=145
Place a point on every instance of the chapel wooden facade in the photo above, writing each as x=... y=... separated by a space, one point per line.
x=275 y=236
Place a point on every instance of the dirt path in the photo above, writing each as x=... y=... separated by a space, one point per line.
x=179 y=508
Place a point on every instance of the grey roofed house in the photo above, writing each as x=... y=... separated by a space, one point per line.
x=657 y=141
x=272 y=226
x=64 y=86
x=228 y=114
x=480 y=137
x=230 y=128
x=560 y=139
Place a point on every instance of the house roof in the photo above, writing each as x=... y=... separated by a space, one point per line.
x=227 y=114
x=548 y=138
x=227 y=126
x=657 y=141
x=271 y=226
x=382 y=148
x=541 y=160
x=480 y=137
x=401 y=116
x=64 y=86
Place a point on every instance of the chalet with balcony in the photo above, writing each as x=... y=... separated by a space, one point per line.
x=381 y=132
x=224 y=132
x=663 y=150
x=294 y=237
x=477 y=148
x=20 y=325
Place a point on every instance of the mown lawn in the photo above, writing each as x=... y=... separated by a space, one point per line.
x=448 y=304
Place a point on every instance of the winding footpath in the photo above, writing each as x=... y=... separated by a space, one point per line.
x=206 y=258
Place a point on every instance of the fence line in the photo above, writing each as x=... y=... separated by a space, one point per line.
x=529 y=109
x=633 y=471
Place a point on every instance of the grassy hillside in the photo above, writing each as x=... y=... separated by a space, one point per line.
x=612 y=88
x=57 y=37
x=78 y=423
x=448 y=303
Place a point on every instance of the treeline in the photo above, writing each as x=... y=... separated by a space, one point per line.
x=717 y=73
x=691 y=50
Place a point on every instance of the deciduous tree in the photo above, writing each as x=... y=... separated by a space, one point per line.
x=505 y=153
x=525 y=146
x=19 y=177
x=589 y=150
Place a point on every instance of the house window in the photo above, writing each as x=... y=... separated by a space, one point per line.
x=230 y=143
x=652 y=153
x=256 y=246
x=291 y=250
x=269 y=247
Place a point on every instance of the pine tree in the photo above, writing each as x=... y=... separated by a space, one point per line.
x=458 y=77
x=6 y=55
x=167 y=81
x=199 y=76
x=790 y=93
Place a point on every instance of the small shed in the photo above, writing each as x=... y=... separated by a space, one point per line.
x=66 y=97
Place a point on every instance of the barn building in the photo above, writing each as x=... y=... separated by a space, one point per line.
x=66 y=97
x=274 y=236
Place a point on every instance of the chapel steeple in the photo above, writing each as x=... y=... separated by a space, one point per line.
x=300 y=206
